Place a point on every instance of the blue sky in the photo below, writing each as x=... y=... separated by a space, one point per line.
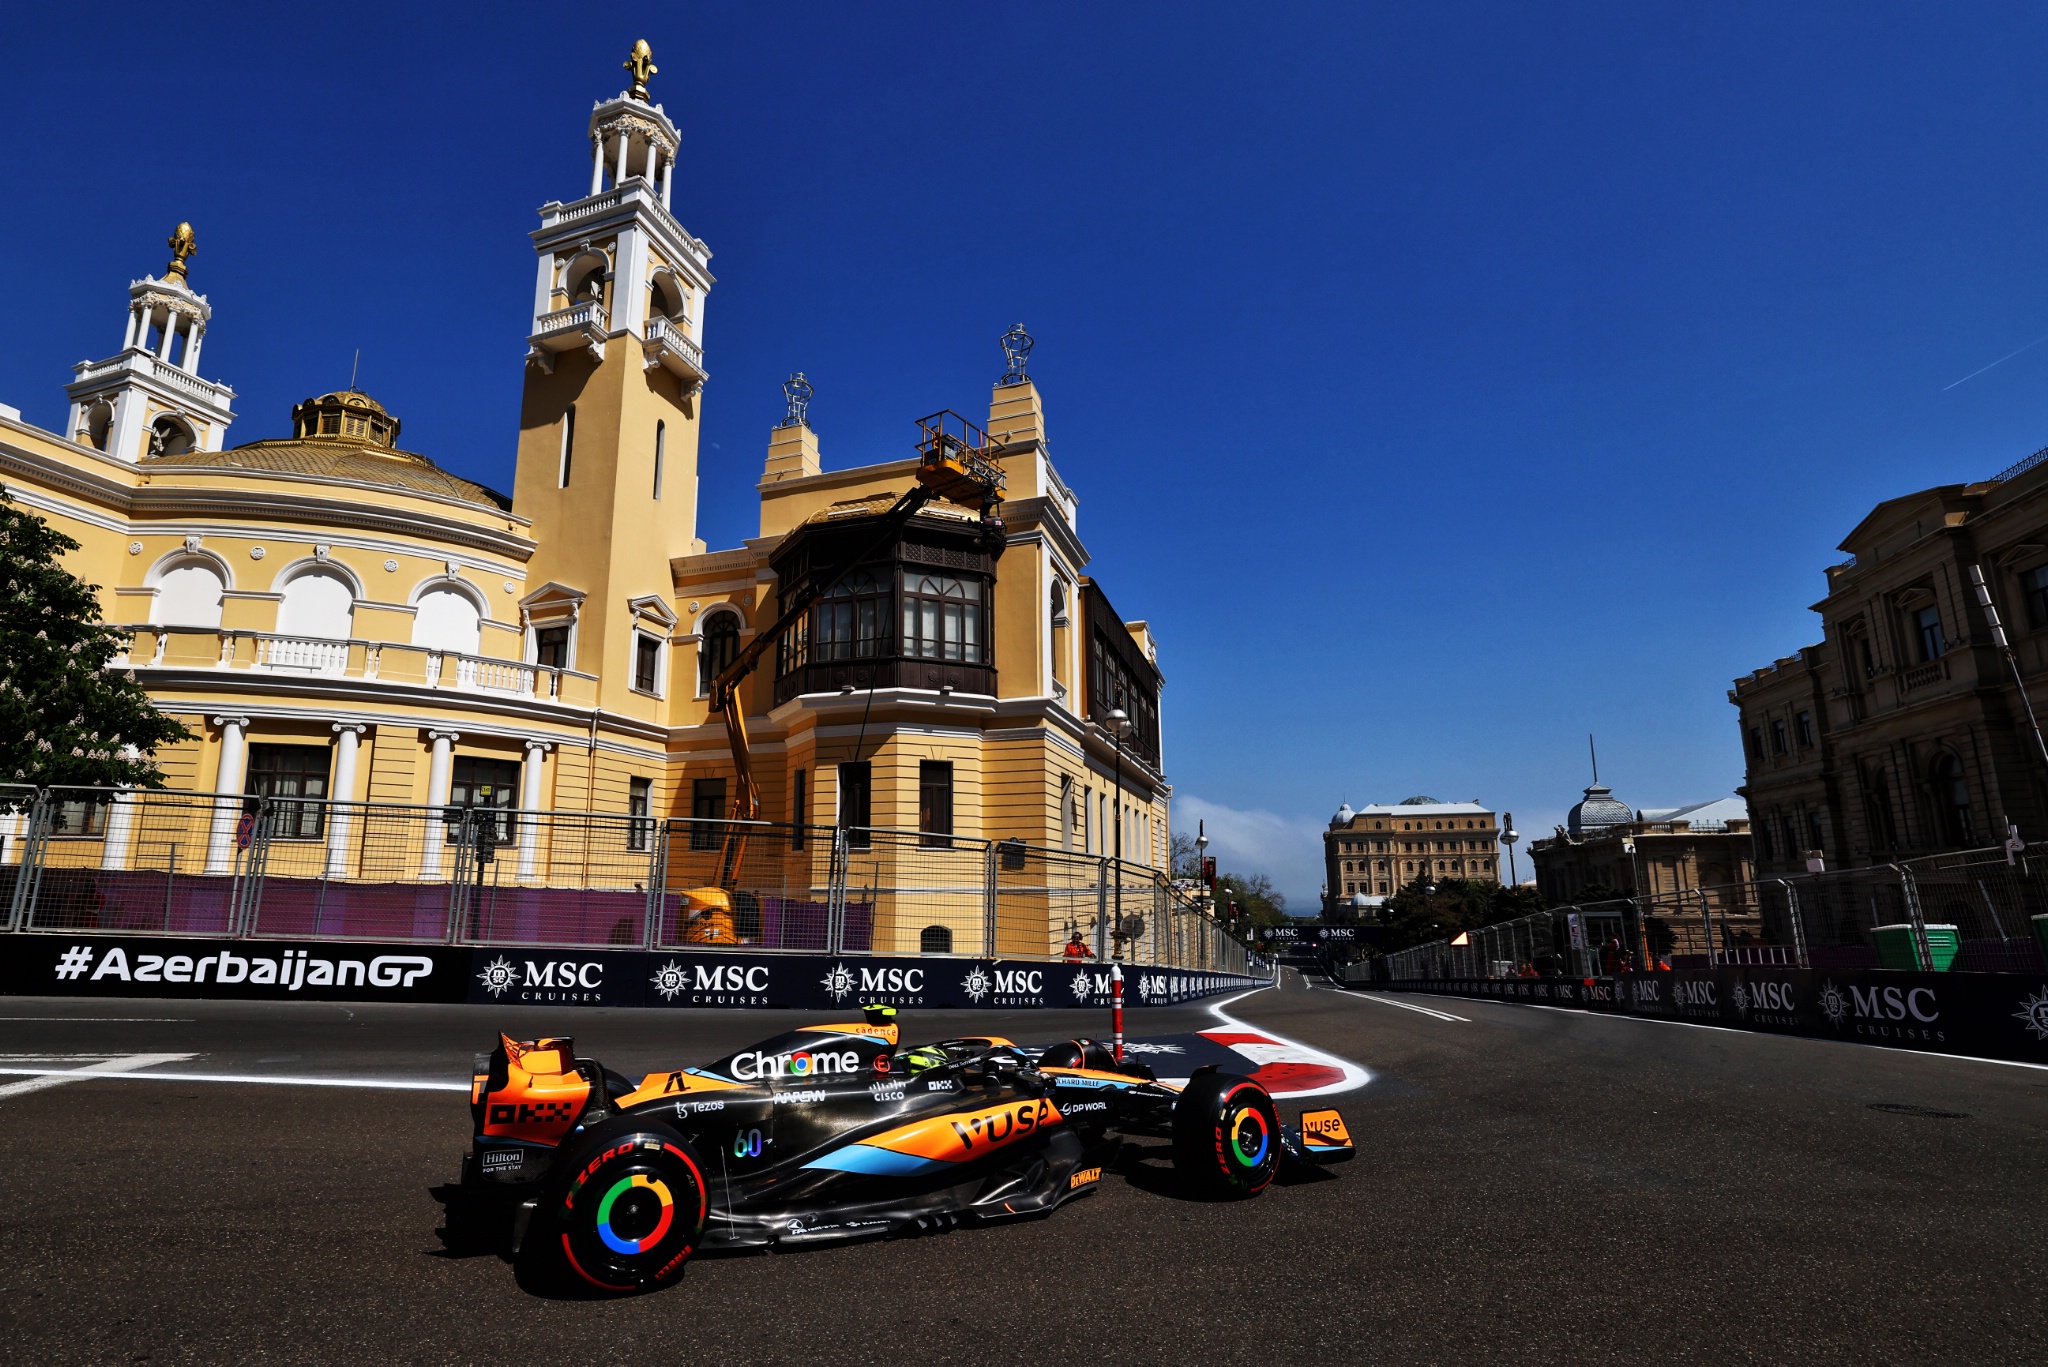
x=1442 y=382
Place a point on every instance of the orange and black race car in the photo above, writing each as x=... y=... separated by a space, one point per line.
x=825 y=1133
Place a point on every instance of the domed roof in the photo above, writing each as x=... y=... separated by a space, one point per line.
x=1598 y=810
x=346 y=435
x=1421 y=802
x=1343 y=817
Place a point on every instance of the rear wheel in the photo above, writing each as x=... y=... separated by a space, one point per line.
x=1226 y=1136
x=625 y=1208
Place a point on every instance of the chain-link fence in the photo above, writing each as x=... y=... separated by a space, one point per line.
x=1976 y=910
x=203 y=864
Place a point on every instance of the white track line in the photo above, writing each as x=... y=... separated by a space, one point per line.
x=41 y=1079
x=61 y=1075
x=1406 y=1006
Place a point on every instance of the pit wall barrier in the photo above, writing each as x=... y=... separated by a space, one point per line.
x=1985 y=1015
x=354 y=970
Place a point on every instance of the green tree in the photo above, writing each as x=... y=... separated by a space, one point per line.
x=65 y=718
x=1258 y=902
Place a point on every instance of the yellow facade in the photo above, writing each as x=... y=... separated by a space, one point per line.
x=365 y=599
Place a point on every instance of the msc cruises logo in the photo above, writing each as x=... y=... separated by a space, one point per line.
x=499 y=976
x=976 y=984
x=839 y=982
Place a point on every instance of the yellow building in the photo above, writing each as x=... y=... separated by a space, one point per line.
x=335 y=617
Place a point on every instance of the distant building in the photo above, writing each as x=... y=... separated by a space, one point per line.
x=1370 y=853
x=1677 y=851
x=1902 y=733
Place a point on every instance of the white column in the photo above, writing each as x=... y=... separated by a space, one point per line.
x=597 y=165
x=133 y=338
x=120 y=824
x=170 y=335
x=529 y=801
x=227 y=787
x=341 y=826
x=653 y=165
x=439 y=769
x=625 y=146
x=668 y=179
x=192 y=341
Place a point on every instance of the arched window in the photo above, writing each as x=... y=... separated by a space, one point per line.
x=718 y=643
x=851 y=619
x=98 y=419
x=188 y=595
x=169 y=436
x=447 y=619
x=1952 y=799
x=319 y=604
x=935 y=940
x=942 y=618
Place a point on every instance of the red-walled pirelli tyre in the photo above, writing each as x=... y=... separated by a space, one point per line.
x=625 y=1208
x=1226 y=1136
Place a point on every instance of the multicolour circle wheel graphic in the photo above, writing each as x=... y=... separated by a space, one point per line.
x=630 y=1206
x=647 y=1199
x=1226 y=1135
x=1250 y=1139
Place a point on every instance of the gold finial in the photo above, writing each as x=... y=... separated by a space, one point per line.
x=182 y=245
x=641 y=64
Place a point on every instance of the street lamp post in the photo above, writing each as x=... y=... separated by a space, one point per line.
x=1508 y=836
x=1635 y=887
x=1119 y=722
x=1202 y=867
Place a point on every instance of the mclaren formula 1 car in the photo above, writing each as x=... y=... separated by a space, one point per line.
x=831 y=1132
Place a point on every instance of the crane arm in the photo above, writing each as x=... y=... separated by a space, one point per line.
x=725 y=692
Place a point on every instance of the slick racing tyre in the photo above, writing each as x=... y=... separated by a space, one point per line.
x=1226 y=1136
x=625 y=1208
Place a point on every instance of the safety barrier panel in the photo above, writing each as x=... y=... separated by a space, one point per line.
x=76 y=861
x=354 y=970
x=1983 y=911
x=1983 y=1015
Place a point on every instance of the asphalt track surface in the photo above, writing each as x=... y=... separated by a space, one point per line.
x=1533 y=1186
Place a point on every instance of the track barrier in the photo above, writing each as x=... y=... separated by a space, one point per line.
x=1984 y=1015
x=356 y=970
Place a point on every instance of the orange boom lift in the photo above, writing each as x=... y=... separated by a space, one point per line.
x=956 y=463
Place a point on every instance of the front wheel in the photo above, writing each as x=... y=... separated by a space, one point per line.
x=1226 y=1136
x=626 y=1208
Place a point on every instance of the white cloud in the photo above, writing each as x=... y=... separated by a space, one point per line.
x=1287 y=850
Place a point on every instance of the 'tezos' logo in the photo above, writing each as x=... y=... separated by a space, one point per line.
x=759 y=1067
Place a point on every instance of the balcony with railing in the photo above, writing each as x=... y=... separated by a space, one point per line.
x=580 y=325
x=667 y=345
x=286 y=657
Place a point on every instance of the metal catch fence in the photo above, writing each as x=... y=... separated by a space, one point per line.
x=170 y=863
x=1980 y=910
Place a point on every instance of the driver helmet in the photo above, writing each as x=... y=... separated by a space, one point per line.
x=925 y=1056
